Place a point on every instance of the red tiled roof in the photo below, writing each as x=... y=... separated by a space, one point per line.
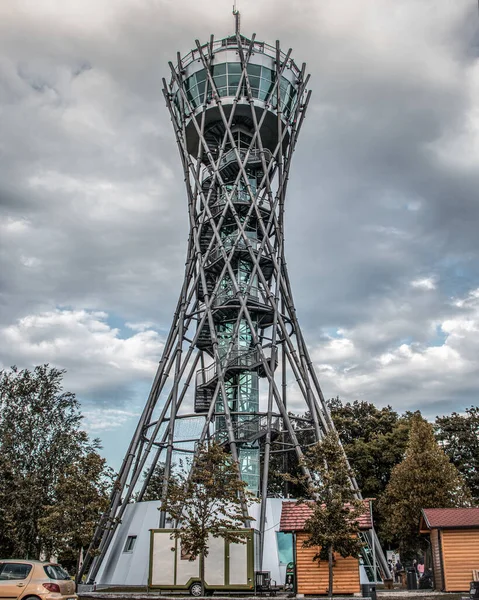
x=294 y=516
x=450 y=518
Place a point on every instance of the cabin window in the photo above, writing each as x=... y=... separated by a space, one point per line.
x=130 y=543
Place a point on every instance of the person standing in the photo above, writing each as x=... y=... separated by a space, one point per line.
x=398 y=570
x=420 y=570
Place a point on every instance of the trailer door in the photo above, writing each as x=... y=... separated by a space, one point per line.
x=163 y=558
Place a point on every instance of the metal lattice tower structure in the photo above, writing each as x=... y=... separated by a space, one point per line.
x=237 y=107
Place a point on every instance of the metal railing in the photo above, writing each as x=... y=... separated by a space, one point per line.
x=230 y=42
x=229 y=241
x=249 y=430
x=254 y=156
x=240 y=197
x=227 y=294
x=229 y=158
x=238 y=358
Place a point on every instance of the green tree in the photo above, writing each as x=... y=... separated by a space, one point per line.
x=207 y=504
x=8 y=492
x=334 y=522
x=155 y=485
x=424 y=479
x=40 y=441
x=154 y=489
x=81 y=495
x=458 y=435
x=374 y=440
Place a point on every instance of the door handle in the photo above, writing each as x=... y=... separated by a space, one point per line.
x=20 y=585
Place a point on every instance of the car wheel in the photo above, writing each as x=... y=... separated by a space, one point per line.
x=195 y=589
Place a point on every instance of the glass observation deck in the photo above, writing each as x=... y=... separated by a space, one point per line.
x=214 y=72
x=227 y=76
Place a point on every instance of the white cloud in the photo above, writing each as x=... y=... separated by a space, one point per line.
x=427 y=283
x=139 y=326
x=96 y=358
x=413 y=375
x=335 y=350
x=97 y=420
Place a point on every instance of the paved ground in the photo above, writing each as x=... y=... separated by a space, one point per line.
x=382 y=595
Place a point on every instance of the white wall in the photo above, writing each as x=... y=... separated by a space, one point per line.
x=131 y=568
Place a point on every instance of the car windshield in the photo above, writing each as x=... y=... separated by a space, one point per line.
x=56 y=572
x=10 y=571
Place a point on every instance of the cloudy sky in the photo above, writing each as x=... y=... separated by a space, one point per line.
x=383 y=209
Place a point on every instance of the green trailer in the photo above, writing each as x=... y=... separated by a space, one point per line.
x=228 y=566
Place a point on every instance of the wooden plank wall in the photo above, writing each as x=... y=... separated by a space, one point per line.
x=436 y=561
x=460 y=551
x=313 y=577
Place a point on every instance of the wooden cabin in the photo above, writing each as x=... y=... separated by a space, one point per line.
x=454 y=537
x=312 y=577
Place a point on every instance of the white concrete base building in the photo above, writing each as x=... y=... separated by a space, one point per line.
x=128 y=558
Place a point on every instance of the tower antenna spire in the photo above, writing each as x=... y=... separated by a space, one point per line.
x=236 y=14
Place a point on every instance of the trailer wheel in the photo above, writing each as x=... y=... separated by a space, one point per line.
x=195 y=589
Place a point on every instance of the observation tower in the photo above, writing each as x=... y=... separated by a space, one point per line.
x=235 y=354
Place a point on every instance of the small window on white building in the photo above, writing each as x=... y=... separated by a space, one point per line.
x=130 y=543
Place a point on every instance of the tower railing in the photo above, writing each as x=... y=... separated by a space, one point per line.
x=250 y=292
x=229 y=159
x=249 y=429
x=231 y=241
x=259 y=47
x=238 y=198
x=239 y=357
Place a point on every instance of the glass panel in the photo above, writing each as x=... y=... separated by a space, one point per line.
x=220 y=425
x=285 y=547
x=219 y=69
x=200 y=75
x=245 y=337
x=201 y=90
x=267 y=74
x=248 y=392
x=56 y=572
x=263 y=90
x=290 y=104
x=266 y=87
x=254 y=70
x=130 y=543
x=192 y=80
x=14 y=571
x=254 y=82
x=234 y=68
x=223 y=91
x=244 y=271
x=249 y=468
x=220 y=81
x=191 y=95
x=233 y=82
